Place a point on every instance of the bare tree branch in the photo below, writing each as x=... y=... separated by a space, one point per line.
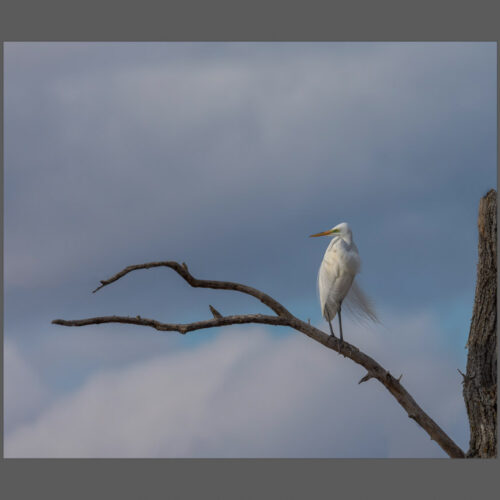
x=283 y=318
x=182 y=270
x=177 y=327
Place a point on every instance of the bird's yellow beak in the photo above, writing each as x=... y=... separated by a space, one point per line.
x=324 y=233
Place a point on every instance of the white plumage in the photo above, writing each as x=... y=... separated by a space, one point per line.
x=337 y=272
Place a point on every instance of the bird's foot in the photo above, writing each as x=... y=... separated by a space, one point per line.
x=331 y=338
x=341 y=343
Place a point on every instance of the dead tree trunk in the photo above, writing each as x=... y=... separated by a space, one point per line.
x=480 y=381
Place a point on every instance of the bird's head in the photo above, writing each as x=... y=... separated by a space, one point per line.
x=341 y=229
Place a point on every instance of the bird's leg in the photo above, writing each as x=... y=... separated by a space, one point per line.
x=329 y=322
x=340 y=324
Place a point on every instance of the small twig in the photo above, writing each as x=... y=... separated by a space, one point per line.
x=214 y=311
x=367 y=377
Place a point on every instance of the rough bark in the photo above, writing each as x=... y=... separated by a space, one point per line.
x=480 y=380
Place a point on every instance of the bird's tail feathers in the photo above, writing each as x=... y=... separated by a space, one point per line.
x=359 y=305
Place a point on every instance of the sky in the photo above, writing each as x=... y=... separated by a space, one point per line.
x=227 y=156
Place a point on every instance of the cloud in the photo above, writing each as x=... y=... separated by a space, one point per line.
x=25 y=395
x=250 y=393
x=168 y=145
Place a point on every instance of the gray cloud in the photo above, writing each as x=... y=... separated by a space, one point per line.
x=179 y=151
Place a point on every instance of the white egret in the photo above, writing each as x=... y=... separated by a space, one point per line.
x=336 y=275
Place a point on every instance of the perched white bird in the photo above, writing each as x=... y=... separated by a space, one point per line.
x=336 y=275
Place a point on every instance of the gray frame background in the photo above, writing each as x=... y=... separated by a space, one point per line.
x=225 y=20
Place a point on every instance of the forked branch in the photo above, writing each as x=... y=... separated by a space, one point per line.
x=283 y=318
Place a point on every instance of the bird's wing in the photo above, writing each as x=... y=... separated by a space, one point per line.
x=359 y=305
x=328 y=283
x=324 y=282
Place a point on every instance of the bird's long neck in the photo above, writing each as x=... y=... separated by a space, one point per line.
x=347 y=237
